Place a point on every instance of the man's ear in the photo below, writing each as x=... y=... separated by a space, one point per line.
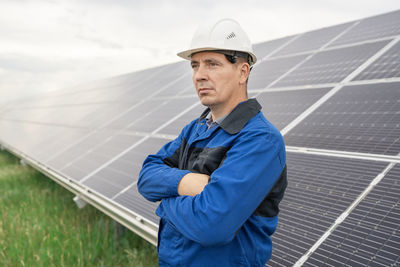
x=244 y=72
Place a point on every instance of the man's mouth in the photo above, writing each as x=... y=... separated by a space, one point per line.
x=205 y=90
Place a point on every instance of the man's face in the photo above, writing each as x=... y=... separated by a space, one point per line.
x=216 y=79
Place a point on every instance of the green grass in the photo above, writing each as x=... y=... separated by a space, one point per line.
x=40 y=225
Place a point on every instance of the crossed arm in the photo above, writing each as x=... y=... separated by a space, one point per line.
x=206 y=212
x=159 y=179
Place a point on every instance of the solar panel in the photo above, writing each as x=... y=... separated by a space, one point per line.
x=43 y=116
x=320 y=188
x=93 y=138
x=104 y=91
x=29 y=136
x=161 y=112
x=183 y=86
x=385 y=25
x=175 y=127
x=139 y=206
x=282 y=107
x=270 y=70
x=73 y=151
x=387 y=66
x=131 y=115
x=95 y=151
x=118 y=175
x=360 y=118
x=149 y=115
x=266 y=48
x=313 y=40
x=370 y=235
x=133 y=163
x=85 y=108
x=48 y=145
x=331 y=66
x=158 y=81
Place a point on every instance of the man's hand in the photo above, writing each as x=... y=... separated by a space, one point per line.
x=192 y=184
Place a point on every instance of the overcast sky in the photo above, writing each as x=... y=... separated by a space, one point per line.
x=53 y=44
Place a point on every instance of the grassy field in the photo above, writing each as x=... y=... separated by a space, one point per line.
x=40 y=225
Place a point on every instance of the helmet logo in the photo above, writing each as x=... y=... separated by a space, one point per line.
x=231 y=35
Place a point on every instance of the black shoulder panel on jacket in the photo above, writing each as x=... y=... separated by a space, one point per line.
x=195 y=159
x=269 y=207
x=206 y=160
x=174 y=160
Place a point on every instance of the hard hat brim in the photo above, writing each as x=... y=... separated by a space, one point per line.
x=187 y=54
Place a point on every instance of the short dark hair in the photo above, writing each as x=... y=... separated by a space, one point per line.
x=232 y=56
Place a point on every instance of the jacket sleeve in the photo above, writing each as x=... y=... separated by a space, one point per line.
x=159 y=176
x=236 y=188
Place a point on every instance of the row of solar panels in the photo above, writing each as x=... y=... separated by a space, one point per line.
x=322 y=89
x=358 y=118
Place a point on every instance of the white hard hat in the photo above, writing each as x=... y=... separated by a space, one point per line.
x=225 y=35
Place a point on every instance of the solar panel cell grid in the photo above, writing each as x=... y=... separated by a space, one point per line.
x=102 y=91
x=386 y=66
x=175 y=127
x=320 y=189
x=27 y=137
x=282 y=107
x=380 y=26
x=49 y=115
x=108 y=183
x=133 y=114
x=269 y=70
x=77 y=148
x=365 y=235
x=140 y=205
x=77 y=116
x=331 y=66
x=99 y=117
x=113 y=178
x=157 y=79
x=182 y=86
x=362 y=118
x=313 y=40
x=100 y=153
x=57 y=140
x=265 y=48
x=161 y=112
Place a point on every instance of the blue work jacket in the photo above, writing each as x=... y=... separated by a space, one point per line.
x=230 y=222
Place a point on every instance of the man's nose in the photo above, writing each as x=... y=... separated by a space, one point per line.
x=200 y=74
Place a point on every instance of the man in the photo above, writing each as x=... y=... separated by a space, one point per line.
x=220 y=182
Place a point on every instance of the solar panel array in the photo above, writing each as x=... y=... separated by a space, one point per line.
x=335 y=95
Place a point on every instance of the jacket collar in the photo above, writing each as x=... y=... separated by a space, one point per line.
x=240 y=115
